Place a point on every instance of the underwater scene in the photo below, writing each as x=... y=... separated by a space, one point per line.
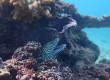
x=54 y=40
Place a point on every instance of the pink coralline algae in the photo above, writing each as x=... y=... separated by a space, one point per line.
x=21 y=67
x=30 y=69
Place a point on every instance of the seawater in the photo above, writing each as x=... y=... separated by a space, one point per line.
x=99 y=36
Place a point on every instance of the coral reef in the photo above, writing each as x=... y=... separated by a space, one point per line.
x=51 y=46
x=50 y=69
x=91 y=72
x=90 y=21
x=27 y=50
x=31 y=69
x=83 y=21
x=28 y=9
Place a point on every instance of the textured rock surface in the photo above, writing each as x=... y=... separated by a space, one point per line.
x=23 y=61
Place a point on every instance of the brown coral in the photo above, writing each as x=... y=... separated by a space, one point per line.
x=26 y=10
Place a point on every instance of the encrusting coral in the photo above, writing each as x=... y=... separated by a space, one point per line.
x=28 y=9
x=29 y=68
x=26 y=51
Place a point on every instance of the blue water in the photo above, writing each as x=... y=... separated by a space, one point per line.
x=100 y=36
